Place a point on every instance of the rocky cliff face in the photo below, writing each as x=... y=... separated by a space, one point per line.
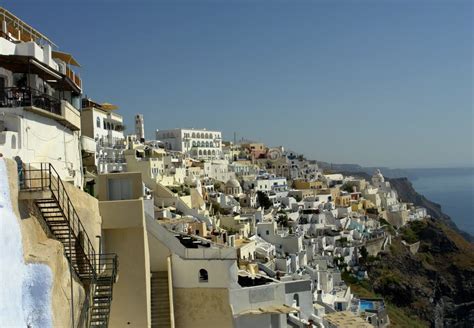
x=437 y=283
x=408 y=194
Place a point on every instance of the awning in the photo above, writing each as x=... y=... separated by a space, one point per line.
x=89 y=176
x=108 y=106
x=26 y=64
x=272 y=309
x=65 y=57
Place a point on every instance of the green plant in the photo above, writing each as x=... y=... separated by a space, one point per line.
x=348 y=187
x=263 y=200
x=282 y=220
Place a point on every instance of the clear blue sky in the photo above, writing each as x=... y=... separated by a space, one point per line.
x=370 y=82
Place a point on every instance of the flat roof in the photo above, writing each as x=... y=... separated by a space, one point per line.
x=278 y=309
x=26 y=30
x=346 y=319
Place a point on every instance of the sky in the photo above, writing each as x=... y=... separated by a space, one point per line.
x=387 y=83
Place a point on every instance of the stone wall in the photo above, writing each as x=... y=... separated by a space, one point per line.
x=202 y=308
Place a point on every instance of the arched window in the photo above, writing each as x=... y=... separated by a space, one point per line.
x=206 y=136
x=296 y=300
x=13 y=142
x=202 y=135
x=97 y=122
x=211 y=144
x=193 y=135
x=200 y=152
x=203 y=276
x=213 y=152
x=194 y=143
x=108 y=126
x=207 y=143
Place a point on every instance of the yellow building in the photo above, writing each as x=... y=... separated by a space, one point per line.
x=302 y=184
x=343 y=200
x=122 y=209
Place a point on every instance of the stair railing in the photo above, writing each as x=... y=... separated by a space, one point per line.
x=43 y=176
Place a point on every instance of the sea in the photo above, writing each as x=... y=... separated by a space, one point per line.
x=452 y=188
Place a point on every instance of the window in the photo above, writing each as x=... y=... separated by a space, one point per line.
x=296 y=300
x=267 y=232
x=98 y=122
x=13 y=145
x=203 y=276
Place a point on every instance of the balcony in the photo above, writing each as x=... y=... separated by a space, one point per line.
x=42 y=104
x=88 y=144
x=115 y=118
x=74 y=77
x=29 y=97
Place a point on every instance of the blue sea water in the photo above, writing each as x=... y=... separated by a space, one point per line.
x=453 y=189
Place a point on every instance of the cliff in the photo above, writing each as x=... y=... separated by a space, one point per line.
x=408 y=194
x=36 y=269
x=437 y=283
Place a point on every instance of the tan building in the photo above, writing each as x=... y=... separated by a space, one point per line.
x=302 y=184
x=122 y=209
x=343 y=200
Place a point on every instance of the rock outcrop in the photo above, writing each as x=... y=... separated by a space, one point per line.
x=437 y=283
x=39 y=247
x=408 y=194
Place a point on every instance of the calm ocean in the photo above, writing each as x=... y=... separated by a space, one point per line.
x=453 y=189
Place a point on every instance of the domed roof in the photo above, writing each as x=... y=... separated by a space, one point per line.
x=378 y=176
x=232 y=183
x=191 y=179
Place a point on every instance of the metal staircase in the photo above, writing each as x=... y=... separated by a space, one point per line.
x=103 y=290
x=98 y=271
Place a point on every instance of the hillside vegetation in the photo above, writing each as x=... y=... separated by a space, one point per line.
x=434 y=287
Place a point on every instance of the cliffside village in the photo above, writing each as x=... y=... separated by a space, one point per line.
x=203 y=232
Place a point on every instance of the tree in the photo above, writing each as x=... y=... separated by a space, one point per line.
x=348 y=187
x=263 y=200
x=283 y=220
x=364 y=254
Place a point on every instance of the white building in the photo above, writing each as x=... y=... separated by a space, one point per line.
x=267 y=182
x=39 y=100
x=218 y=170
x=102 y=129
x=200 y=144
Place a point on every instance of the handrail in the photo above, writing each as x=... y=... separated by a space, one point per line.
x=63 y=196
x=102 y=269
x=49 y=179
x=27 y=96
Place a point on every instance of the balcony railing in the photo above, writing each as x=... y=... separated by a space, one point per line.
x=74 y=77
x=25 y=96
